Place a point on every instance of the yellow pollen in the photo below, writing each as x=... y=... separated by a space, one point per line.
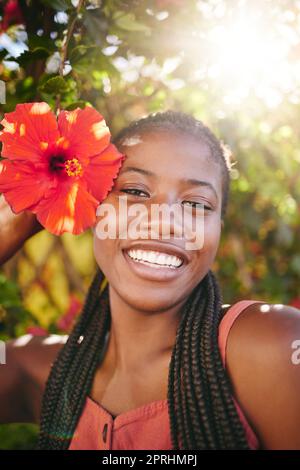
x=73 y=167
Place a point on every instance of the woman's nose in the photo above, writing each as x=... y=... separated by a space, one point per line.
x=164 y=218
x=168 y=196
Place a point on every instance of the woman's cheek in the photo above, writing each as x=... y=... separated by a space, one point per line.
x=100 y=252
x=211 y=236
x=104 y=240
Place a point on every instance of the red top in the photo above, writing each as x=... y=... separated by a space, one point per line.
x=146 y=427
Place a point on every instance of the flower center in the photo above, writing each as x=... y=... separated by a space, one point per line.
x=56 y=163
x=72 y=166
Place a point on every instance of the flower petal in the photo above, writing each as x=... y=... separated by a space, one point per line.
x=27 y=131
x=68 y=208
x=22 y=185
x=102 y=170
x=85 y=130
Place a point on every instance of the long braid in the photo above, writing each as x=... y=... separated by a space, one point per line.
x=207 y=418
x=174 y=384
x=72 y=371
x=202 y=413
x=195 y=393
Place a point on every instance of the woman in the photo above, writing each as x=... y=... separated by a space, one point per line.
x=143 y=367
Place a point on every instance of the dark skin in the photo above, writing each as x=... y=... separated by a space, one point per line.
x=146 y=313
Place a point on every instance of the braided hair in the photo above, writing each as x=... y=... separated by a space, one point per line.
x=202 y=413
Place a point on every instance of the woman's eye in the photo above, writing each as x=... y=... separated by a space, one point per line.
x=197 y=205
x=133 y=191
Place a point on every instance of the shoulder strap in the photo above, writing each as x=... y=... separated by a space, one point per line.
x=227 y=321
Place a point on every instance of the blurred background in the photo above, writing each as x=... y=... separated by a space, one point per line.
x=233 y=64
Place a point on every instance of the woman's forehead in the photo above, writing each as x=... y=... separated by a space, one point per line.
x=163 y=135
x=169 y=153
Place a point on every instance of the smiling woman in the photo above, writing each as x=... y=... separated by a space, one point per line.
x=145 y=366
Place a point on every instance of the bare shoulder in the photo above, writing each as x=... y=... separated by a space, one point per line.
x=33 y=356
x=263 y=361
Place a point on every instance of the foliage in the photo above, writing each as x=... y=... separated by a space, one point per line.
x=18 y=436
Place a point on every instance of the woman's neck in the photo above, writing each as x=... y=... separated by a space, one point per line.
x=139 y=337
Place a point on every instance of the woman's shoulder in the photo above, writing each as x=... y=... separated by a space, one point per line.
x=260 y=314
x=263 y=351
x=261 y=318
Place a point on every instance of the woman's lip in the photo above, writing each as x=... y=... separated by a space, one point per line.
x=153 y=273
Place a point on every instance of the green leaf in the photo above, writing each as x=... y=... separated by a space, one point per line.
x=54 y=86
x=9 y=293
x=78 y=104
x=129 y=23
x=3 y=53
x=83 y=58
x=104 y=64
x=30 y=56
x=78 y=53
x=96 y=24
x=59 y=5
x=35 y=41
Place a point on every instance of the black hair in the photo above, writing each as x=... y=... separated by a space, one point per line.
x=202 y=413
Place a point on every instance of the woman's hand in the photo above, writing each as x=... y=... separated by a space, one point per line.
x=15 y=229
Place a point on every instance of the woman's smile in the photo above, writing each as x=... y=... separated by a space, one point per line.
x=156 y=260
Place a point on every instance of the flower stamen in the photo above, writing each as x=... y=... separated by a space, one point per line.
x=73 y=167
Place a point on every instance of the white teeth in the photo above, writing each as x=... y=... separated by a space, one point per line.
x=155 y=257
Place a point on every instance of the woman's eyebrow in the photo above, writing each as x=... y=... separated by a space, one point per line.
x=196 y=182
x=136 y=169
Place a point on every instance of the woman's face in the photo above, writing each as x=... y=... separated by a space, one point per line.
x=161 y=167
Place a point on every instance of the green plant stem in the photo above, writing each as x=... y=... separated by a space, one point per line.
x=64 y=50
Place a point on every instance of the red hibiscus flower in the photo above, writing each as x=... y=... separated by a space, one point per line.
x=12 y=14
x=60 y=170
